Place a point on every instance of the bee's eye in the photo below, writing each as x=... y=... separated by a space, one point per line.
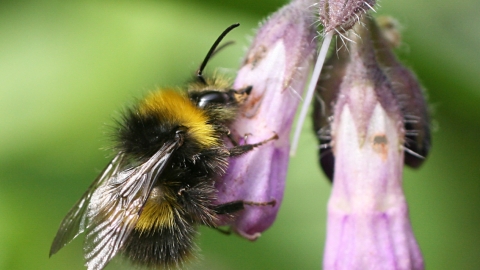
x=213 y=97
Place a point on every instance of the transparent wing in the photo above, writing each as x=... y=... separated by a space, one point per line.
x=115 y=207
x=75 y=221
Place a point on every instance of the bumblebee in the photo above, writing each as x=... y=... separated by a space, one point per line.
x=149 y=200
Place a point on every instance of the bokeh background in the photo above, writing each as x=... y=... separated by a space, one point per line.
x=67 y=67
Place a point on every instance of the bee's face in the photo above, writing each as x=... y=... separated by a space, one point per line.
x=212 y=97
x=217 y=92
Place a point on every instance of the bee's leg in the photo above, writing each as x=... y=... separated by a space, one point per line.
x=271 y=203
x=226 y=131
x=235 y=206
x=224 y=231
x=232 y=140
x=238 y=150
x=229 y=208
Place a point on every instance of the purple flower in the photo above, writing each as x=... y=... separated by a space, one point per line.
x=276 y=66
x=368 y=225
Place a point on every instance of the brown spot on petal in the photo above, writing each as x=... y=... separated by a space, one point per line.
x=250 y=108
x=380 y=145
x=256 y=56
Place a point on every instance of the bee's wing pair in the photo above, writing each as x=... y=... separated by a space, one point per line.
x=110 y=208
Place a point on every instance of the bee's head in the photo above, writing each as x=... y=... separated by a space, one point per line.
x=219 y=98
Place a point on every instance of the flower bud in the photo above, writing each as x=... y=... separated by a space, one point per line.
x=408 y=92
x=341 y=15
x=390 y=30
x=276 y=66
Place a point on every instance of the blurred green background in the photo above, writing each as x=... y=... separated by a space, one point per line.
x=67 y=67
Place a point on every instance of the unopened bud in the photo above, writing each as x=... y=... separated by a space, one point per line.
x=408 y=92
x=341 y=15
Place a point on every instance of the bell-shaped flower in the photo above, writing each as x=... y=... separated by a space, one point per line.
x=276 y=67
x=368 y=225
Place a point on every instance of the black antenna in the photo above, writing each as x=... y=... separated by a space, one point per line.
x=212 y=51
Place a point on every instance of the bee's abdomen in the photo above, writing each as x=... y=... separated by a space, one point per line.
x=162 y=248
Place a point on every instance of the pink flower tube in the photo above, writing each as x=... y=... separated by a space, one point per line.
x=368 y=225
x=276 y=66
